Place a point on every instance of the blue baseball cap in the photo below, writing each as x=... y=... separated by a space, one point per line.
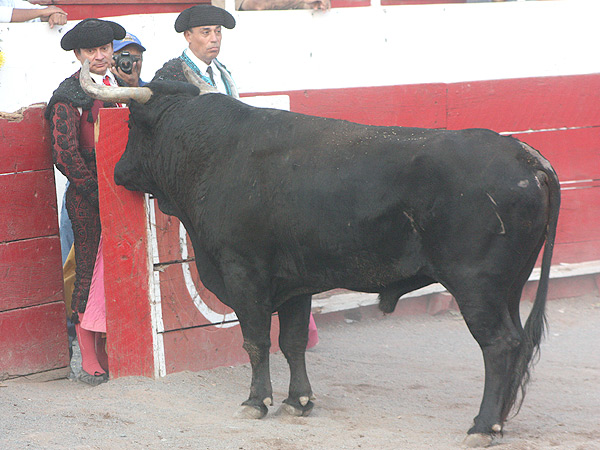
x=127 y=40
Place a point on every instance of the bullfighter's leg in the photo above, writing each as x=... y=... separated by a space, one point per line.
x=256 y=325
x=489 y=321
x=294 y=316
x=85 y=220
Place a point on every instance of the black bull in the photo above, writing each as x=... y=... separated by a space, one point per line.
x=280 y=206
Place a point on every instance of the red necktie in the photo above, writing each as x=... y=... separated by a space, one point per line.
x=106 y=81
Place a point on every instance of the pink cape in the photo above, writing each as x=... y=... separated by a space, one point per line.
x=94 y=318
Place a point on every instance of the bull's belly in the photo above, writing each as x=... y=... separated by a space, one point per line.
x=359 y=272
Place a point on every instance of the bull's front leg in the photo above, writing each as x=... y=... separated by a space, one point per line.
x=294 y=316
x=256 y=327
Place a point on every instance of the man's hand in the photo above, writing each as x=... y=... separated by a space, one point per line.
x=53 y=15
x=57 y=19
x=323 y=5
x=132 y=79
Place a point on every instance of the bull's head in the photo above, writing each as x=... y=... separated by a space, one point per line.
x=136 y=169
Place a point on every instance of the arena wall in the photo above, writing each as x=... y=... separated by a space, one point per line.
x=186 y=319
x=520 y=68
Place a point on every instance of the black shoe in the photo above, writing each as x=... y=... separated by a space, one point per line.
x=93 y=380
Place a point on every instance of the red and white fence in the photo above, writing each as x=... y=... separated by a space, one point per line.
x=520 y=68
x=183 y=326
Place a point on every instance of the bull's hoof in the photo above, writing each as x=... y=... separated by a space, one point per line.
x=296 y=409
x=478 y=440
x=251 y=412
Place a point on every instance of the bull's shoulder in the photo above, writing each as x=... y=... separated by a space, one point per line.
x=172 y=70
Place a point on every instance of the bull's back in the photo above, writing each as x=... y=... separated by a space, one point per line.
x=333 y=180
x=341 y=172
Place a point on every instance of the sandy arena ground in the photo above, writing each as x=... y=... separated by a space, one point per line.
x=393 y=383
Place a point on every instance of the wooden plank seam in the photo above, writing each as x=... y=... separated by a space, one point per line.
x=160 y=367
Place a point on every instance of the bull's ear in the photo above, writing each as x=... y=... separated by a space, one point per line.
x=173 y=88
x=143 y=118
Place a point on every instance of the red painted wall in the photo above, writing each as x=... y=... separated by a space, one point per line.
x=560 y=110
x=82 y=9
x=33 y=328
x=565 y=126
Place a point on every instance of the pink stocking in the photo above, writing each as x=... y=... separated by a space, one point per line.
x=87 y=345
x=313 y=334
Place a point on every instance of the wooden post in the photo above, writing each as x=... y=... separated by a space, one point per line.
x=127 y=266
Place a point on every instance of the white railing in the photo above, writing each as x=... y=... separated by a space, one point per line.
x=345 y=47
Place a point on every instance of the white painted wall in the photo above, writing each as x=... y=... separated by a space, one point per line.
x=344 y=47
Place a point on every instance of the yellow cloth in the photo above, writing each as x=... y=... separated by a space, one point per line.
x=69 y=279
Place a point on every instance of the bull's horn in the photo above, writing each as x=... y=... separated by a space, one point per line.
x=109 y=93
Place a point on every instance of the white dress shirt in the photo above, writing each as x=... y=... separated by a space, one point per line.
x=7 y=6
x=99 y=79
x=203 y=66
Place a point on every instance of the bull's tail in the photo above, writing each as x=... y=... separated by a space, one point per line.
x=536 y=323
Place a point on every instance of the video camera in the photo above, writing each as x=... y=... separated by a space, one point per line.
x=125 y=60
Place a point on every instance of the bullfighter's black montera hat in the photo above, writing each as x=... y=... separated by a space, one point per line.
x=203 y=15
x=90 y=33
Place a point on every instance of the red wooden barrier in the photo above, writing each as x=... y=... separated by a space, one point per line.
x=416 y=105
x=525 y=103
x=127 y=270
x=80 y=9
x=161 y=319
x=33 y=339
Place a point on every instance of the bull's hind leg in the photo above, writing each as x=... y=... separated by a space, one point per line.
x=294 y=316
x=488 y=317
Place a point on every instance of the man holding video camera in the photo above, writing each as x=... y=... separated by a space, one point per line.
x=128 y=57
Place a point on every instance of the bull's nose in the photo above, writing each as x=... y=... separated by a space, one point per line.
x=125 y=175
x=120 y=179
